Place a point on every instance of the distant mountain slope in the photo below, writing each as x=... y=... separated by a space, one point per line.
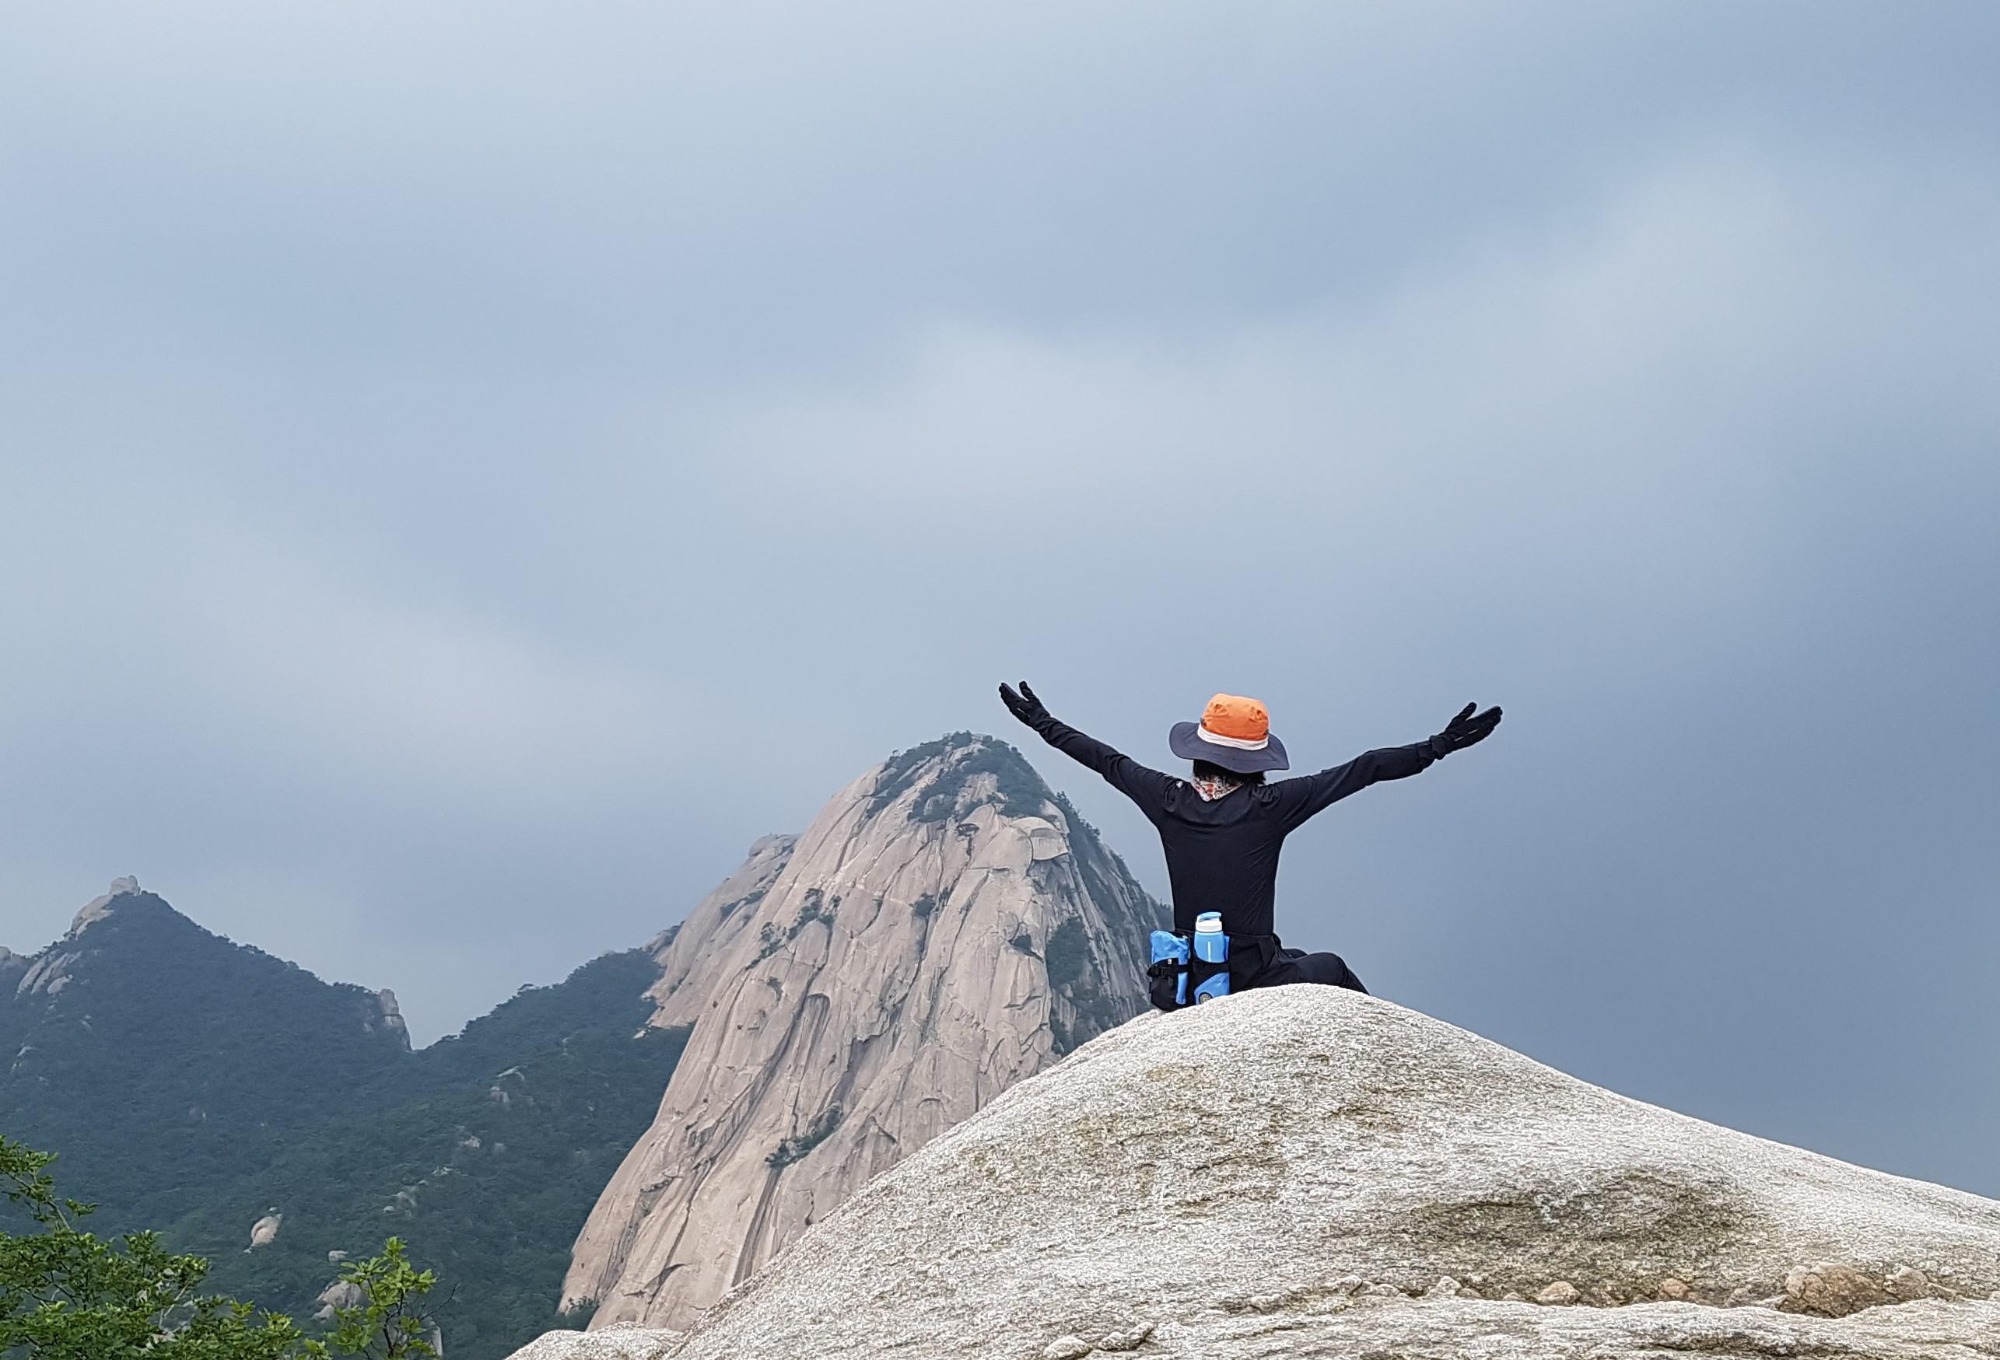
x=158 y=1059
x=486 y=1165
x=196 y=1085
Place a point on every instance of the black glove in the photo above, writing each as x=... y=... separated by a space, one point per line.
x=1024 y=705
x=1464 y=730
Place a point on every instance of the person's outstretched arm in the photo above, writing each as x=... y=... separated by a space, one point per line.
x=1145 y=787
x=1315 y=793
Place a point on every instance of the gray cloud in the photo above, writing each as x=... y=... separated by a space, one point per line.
x=467 y=473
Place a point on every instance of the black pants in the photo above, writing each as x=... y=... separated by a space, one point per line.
x=1271 y=965
x=1295 y=965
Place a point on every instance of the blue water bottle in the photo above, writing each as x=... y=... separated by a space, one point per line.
x=1211 y=946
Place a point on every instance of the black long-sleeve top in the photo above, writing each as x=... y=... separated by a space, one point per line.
x=1223 y=856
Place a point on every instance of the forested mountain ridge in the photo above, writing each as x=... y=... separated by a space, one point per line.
x=486 y=1161
x=197 y=1086
x=158 y=1058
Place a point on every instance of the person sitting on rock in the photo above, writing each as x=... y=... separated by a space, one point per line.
x=1223 y=826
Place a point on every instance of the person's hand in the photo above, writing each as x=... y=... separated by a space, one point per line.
x=1465 y=730
x=1023 y=705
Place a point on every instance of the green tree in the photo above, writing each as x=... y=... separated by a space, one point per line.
x=393 y=1320
x=66 y=1294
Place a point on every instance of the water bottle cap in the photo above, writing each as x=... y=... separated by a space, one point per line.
x=1209 y=922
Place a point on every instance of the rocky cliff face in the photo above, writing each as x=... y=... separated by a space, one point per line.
x=1307 y=1171
x=944 y=928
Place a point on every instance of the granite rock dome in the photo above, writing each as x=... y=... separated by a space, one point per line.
x=1311 y=1172
x=944 y=928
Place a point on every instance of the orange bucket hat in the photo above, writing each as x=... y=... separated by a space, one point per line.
x=1235 y=733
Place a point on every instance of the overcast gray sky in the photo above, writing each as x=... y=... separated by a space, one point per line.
x=468 y=469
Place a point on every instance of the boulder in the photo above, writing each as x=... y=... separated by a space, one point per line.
x=1294 y=1171
x=336 y=1296
x=1906 y=1283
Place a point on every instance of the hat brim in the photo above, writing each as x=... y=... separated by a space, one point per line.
x=1185 y=741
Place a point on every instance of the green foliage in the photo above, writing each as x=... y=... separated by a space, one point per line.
x=1068 y=952
x=487 y=1166
x=795 y=1148
x=193 y=1083
x=1078 y=826
x=899 y=773
x=816 y=907
x=1075 y=971
x=577 y=1316
x=749 y=899
x=66 y=1294
x=1018 y=790
x=173 y=1058
x=392 y=1321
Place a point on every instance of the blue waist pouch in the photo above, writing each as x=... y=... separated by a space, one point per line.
x=1170 y=982
x=1179 y=978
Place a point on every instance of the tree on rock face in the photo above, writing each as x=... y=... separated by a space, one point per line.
x=67 y=1294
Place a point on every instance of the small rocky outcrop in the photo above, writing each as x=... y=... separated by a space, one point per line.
x=265 y=1230
x=336 y=1296
x=52 y=970
x=1307 y=1171
x=390 y=1019
x=945 y=928
x=100 y=907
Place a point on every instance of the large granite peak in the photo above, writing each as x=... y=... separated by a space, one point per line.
x=944 y=928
